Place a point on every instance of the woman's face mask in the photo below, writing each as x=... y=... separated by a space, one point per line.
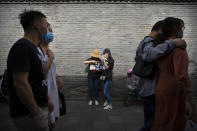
x=181 y=34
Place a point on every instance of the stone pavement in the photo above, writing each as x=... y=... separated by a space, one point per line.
x=81 y=117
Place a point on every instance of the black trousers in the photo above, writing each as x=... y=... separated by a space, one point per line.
x=149 y=112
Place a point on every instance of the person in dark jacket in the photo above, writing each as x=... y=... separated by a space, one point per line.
x=107 y=73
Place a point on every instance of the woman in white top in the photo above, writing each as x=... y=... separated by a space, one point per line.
x=49 y=67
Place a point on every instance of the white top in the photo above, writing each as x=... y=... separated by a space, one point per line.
x=52 y=86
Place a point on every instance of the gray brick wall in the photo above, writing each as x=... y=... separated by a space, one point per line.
x=80 y=28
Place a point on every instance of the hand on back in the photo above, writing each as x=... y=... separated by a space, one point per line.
x=180 y=43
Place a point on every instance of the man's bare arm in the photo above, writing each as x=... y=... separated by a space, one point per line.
x=24 y=91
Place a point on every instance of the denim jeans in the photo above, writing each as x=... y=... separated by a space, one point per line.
x=149 y=112
x=93 y=87
x=107 y=86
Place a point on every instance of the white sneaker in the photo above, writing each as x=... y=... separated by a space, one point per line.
x=105 y=104
x=90 y=103
x=108 y=107
x=96 y=103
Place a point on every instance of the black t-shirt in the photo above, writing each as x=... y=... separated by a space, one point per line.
x=108 y=73
x=93 y=71
x=24 y=57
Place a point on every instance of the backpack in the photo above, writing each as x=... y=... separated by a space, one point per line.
x=142 y=68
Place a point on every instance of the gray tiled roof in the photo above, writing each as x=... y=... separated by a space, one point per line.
x=101 y=1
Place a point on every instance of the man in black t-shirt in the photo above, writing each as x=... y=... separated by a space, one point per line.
x=27 y=88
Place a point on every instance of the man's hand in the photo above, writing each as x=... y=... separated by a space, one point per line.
x=192 y=114
x=180 y=43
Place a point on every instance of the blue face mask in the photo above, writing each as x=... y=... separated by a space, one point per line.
x=48 y=37
x=180 y=35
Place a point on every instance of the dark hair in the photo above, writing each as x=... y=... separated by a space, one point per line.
x=28 y=17
x=107 y=50
x=182 y=22
x=169 y=24
x=157 y=26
